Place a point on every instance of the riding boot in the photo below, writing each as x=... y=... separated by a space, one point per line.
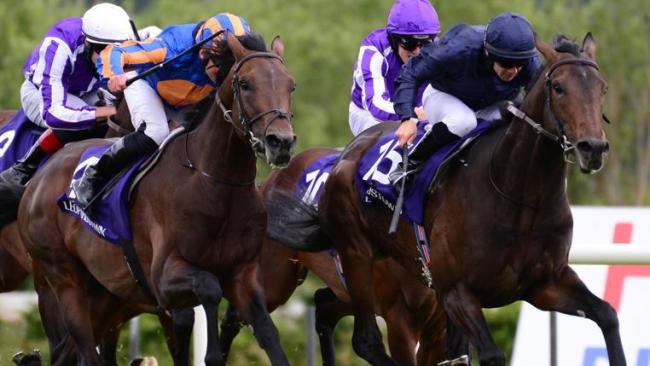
x=22 y=171
x=435 y=138
x=121 y=154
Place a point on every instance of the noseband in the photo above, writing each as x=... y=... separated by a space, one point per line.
x=246 y=123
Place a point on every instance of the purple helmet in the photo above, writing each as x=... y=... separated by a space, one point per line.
x=413 y=17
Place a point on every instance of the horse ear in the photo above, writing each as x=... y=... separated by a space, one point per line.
x=277 y=46
x=547 y=51
x=589 y=46
x=235 y=46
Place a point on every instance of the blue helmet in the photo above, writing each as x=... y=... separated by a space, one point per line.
x=413 y=17
x=510 y=36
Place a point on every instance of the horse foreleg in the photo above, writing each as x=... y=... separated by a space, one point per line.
x=464 y=310
x=433 y=339
x=569 y=295
x=181 y=279
x=248 y=298
x=230 y=326
x=366 y=337
x=329 y=310
x=403 y=333
x=182 y=324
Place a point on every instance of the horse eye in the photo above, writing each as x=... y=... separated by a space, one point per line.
x=558 y=88
x=244 y=85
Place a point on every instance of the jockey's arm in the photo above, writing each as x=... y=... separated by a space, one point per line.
x=114 y=60
x=54 y=89
x=370 y=76
x=414 y=73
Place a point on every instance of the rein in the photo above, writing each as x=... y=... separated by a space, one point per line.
x=245 y=124
x=560 y=138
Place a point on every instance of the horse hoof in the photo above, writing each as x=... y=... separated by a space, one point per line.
x=27 y=359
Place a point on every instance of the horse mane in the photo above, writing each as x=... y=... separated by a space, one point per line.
x=223 y=58
x=563 y=44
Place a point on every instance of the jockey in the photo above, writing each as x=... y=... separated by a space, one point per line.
x=411 y=25
x=60 y=87
x=470 y=71
x=151 y=100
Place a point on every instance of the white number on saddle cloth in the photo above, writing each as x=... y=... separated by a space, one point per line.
x=316 y=181
x=386 y=151
x=80 y=168
x=5 y=141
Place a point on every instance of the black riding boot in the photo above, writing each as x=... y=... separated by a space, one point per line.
x=122 y=153
x=22 y=171
x=437 y=137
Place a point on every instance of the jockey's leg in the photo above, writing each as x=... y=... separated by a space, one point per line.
x=150 y=121
x=23 y=170
x=122 y=153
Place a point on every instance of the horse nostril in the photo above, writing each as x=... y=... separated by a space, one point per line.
x=593 y=146
x=278 y=142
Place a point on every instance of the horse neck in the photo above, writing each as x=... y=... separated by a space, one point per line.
x=219 y=151
x=526 y=165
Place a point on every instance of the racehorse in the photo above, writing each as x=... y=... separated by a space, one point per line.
x=197 y=217
x=16 y=265
x=499 y=223
x=408 y=307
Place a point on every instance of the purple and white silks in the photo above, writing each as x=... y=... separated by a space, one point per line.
x=58 y=67
x=374 y=77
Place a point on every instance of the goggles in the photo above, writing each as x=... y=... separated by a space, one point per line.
x=412 y=42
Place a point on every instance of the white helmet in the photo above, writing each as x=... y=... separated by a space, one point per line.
x=106 y=23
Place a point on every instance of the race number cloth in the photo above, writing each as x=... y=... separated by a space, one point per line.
x=16 y=138
x=110 y=213
x=310 y=185
x=383 y=158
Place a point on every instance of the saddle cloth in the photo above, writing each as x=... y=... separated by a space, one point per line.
x=109 y=218
x=383 y=158
x=16 y=138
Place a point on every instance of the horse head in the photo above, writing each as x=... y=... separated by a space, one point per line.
x=258 y=89
x=574 y=99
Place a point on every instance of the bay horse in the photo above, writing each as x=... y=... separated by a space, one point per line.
x=197 y=218
x=16 y=266
x=499 y=223
x=408 y=307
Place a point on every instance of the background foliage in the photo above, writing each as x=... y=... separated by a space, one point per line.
x=322 y=38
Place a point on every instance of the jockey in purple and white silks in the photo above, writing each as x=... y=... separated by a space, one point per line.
x=470 y=71
x=411 y=25
x=60 y=87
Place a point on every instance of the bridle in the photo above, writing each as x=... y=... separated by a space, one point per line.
x=245 y=125
x=560 y=138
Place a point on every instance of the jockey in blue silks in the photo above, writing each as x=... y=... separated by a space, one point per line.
x=152 y=100
x=411 y=25
x=60 y=87
x=470 y=71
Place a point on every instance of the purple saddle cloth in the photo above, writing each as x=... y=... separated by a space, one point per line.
x=383 y=158
x=16 y=138
x=109 y=218
x=311 y=183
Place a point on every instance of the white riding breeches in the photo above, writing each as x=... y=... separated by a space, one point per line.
x=145 y=106
x=459 y=118
x=31 y=100
x=360 y=119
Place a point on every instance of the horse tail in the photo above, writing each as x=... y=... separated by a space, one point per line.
x=9 y=199
x=294 y=223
